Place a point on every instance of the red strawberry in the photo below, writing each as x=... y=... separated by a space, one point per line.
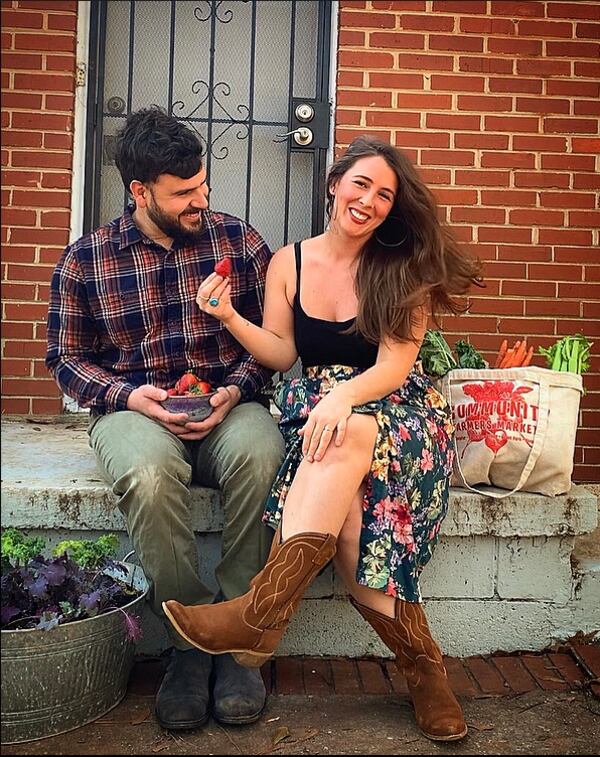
x=202 y=387
x=172 y=392
x=223 y=268
x=186 y=382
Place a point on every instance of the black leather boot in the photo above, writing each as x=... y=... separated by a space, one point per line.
x=183 y=698
x=239 y=693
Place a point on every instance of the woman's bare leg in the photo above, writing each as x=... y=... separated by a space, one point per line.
x=322 y=492
x=346 y=561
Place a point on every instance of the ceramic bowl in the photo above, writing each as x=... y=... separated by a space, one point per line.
x=197 y=406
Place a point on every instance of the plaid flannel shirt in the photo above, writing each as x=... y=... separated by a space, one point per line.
x=122 y=312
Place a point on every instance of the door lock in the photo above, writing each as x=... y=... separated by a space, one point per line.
x=304 y=112
x=308 y=125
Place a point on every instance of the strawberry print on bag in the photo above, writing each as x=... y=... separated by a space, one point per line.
x=497 y=413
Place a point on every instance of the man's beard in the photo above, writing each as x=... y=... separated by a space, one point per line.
x=172 y=227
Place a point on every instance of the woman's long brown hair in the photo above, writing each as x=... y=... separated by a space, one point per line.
x=412 y=260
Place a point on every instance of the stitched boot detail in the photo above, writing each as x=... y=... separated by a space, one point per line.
x=251 y=626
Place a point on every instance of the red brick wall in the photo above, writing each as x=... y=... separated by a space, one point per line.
x=38 y=65
x=497 y=102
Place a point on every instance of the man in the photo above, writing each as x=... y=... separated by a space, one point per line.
x=123 y=326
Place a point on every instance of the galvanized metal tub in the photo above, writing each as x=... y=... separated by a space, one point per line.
x=55 y=681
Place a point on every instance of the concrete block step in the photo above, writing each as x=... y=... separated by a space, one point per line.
x=50 y=480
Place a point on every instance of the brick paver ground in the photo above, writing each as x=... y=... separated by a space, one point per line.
x=514 y=704
x=568 y=668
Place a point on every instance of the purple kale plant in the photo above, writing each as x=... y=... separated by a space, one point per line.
x=44 y=592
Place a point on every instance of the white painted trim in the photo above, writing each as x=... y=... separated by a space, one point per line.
x=333 y=57
x=80 y=119
x=79 y=134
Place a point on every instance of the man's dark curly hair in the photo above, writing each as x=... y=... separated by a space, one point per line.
x=152 y=143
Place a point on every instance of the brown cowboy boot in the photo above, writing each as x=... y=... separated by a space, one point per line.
x=438 y=714
x=250 y=626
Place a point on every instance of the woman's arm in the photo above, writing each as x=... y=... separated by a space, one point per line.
x=394 y=362
x=272 y=345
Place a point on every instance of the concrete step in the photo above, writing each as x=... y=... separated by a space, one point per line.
x=501 y=577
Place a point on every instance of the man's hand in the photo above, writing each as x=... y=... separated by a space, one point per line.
x=225 y=399
x=146 y=400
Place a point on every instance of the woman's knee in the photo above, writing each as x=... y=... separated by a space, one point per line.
x=358 y=443
x=361 y=429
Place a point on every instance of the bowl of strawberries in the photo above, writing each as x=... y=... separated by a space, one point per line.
x=190 y=395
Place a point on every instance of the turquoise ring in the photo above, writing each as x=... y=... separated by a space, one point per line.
x=213 y=302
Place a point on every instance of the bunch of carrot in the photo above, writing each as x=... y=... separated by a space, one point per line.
x=517 y=356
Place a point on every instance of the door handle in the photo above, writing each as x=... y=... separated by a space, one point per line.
x=302 y=136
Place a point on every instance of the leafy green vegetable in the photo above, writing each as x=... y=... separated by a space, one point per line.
x=468 y=357
x=18 y=549
x=436 y=355
x=569 y=354
x=88 y=553
x=39 y=592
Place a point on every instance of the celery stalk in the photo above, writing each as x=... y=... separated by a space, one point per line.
x=574 y=358
x=571 y=353
x=556 y=363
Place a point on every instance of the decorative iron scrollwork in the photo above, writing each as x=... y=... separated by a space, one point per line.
x=220 y=89
x=213 y=10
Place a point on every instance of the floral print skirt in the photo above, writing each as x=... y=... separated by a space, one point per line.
x=406 y=496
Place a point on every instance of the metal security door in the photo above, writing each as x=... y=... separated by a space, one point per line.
x=249 y=76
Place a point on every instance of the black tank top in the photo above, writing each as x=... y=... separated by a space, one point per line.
x=321 y=342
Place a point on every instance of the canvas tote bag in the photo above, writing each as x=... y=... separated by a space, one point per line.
x=515 y=428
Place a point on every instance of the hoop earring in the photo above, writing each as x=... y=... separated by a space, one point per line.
x=390 y=244
x=385 y=227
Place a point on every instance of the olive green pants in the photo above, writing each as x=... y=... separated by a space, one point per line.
x=151 y=470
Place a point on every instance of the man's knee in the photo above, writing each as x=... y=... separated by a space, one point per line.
x=255 y=464
x=256 y=448
x=154 y=483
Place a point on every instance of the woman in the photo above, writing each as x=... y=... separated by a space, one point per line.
x=368 y=439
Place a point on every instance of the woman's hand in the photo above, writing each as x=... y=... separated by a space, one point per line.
x=327 y=420
x=214 y=297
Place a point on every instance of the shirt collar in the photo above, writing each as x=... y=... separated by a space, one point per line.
x=129 y=232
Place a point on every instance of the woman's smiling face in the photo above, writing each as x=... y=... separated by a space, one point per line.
x=364 y=196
